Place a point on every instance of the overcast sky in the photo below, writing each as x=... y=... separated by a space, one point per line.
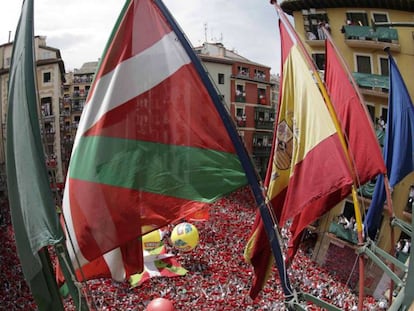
x=80 y=28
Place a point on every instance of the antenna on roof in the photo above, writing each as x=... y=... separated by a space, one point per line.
x=205 y=32
x=9 y=36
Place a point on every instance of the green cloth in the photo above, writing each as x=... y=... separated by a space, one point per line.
x=32 y=206
x=342 y=233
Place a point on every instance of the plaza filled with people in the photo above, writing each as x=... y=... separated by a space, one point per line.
x=218 y=278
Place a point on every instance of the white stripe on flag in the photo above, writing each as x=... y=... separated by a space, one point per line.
x=133 y=77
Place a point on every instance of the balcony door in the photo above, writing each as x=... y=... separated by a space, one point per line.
x=357 y=18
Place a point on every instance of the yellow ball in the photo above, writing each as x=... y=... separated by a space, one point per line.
x=151 y=240
x=185 y=237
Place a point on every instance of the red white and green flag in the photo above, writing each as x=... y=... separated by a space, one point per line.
x=158 y=263
x=151 y=147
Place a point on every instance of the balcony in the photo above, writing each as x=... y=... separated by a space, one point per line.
x=241 y=98
x=79 y=94
x=77 y=108
x=371 y=38
x=50 y=137
x=261 y=151
x=264 y=118
x=372 y=84
x=261 y=100
x=82 y=79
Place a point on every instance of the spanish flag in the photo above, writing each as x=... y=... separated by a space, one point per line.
x=309 y=172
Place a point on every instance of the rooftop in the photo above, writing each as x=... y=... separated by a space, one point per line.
x=217 y=52
x=290 y=6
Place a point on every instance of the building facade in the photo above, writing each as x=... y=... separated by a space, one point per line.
x=361 y=33
x=75 y=92
x=50 y=76
x=248 y=92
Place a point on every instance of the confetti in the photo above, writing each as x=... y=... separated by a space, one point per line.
x=218 y=277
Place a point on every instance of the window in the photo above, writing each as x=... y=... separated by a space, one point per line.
x=261 y=96
x=240 y=93
x=243 y=71
x=262 y=140
x=312 y=21
x=221 y=78
x=240 y=112
x=76 y=92
x=363 y=64
x=46 y=77
x=371 y=111
x=49 y=149
x=259 y=74
x=384 y=114
x=240 y=116
x=357 y=18
x=46 y=104
x=383 y=63
x=380 y=17
x=265 y=115
x=384 y=70
x=319 y=59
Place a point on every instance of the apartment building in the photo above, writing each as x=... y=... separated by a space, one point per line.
x=50 y=71
x=361 y=31
x=248 y=92
x=75 y=92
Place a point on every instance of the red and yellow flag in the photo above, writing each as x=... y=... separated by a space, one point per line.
x=309 y=172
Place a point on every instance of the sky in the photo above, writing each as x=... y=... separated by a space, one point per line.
x=81 y=28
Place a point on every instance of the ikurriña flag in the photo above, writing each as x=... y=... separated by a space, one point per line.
x=309 y=171
x=398 y=150
x=151 y=147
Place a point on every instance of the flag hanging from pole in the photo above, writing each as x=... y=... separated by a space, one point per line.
x=364 y=149
x=145 y=154
x=309 y=170
x=33 y=212
x=398 y=150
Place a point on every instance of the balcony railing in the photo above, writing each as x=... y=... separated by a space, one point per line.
x=382 y=34
x=261 y=151
x=371 y=80
x=264 y=118
x=241 y=98
x=264 y=125
x=77 y=108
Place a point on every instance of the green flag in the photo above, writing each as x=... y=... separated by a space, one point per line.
x=35 y=221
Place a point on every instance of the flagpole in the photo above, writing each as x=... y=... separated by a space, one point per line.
x=251 y=174
x=328 y=102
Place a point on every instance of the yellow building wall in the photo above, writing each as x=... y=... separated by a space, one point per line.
x=405 y=61
x=337 y=18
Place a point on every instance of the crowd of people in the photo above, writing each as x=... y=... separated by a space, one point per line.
x=218 y=277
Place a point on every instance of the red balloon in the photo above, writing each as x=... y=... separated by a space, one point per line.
x=160 y=304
